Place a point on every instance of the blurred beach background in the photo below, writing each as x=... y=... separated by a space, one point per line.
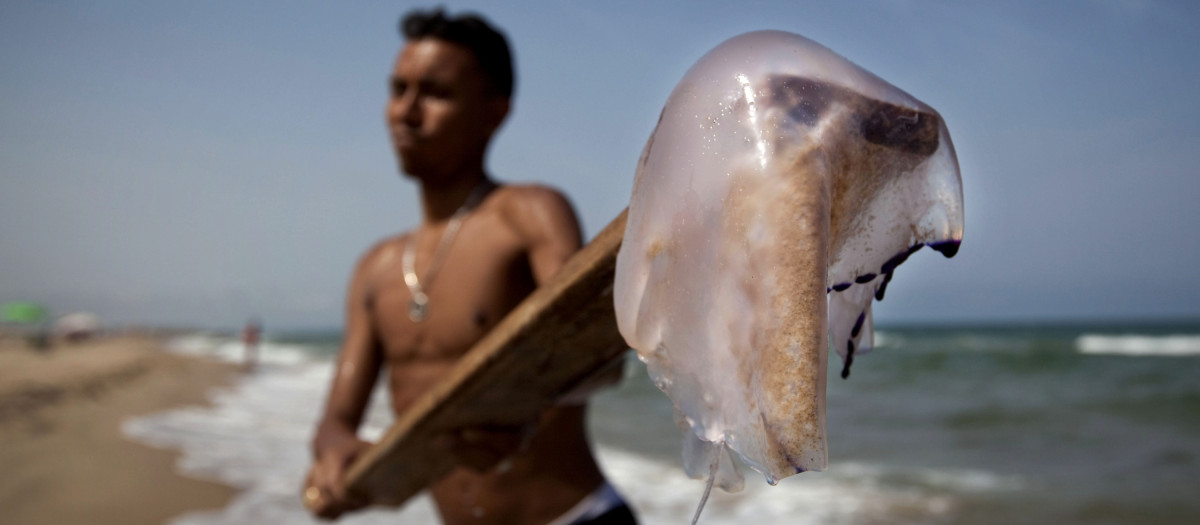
x=176 y=169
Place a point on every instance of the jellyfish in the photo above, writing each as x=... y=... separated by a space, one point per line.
x=778 y=193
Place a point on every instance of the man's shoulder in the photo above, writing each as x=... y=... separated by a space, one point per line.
x=522 y=203
x=538 y=214
x=529 y=194
x=385 y=251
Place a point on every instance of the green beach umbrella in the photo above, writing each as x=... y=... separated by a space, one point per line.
x=22 y=312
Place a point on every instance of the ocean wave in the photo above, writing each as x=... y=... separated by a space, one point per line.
x=1139 y=345
x=963 y=341
x=231 y=350
x=848 y=493
x=960 y=481
x=255 y=435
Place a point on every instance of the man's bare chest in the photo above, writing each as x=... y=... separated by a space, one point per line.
x=479 y=282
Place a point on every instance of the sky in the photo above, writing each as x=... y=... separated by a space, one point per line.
x=198 y=163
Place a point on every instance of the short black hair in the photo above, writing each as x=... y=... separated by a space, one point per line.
x=472 y=31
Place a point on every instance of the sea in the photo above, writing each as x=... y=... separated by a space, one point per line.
x=1095 y=423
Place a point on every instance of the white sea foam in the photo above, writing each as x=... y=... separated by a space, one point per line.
x=1139 y=345
x=847 y=493
x=963 y=341
x=234 y=351
x=255 y=437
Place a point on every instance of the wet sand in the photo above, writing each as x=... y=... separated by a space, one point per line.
x=62 y=454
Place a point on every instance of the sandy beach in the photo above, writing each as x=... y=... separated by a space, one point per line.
x=62 y=453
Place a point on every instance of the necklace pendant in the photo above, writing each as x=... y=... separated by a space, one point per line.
x=418 y=307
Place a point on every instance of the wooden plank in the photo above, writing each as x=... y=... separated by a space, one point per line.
x=561 y=334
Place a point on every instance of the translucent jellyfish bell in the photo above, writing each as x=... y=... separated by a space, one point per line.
x=778 y=193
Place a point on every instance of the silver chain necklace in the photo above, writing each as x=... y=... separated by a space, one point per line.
x=418 y=306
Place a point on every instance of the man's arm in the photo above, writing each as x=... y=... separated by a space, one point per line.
x=335 y=444
x=546 y=222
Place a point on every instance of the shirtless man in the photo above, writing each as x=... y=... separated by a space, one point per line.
x=419 y=301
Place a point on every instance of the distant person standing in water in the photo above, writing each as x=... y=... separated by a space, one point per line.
x=418 y=301
x=250 y=336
